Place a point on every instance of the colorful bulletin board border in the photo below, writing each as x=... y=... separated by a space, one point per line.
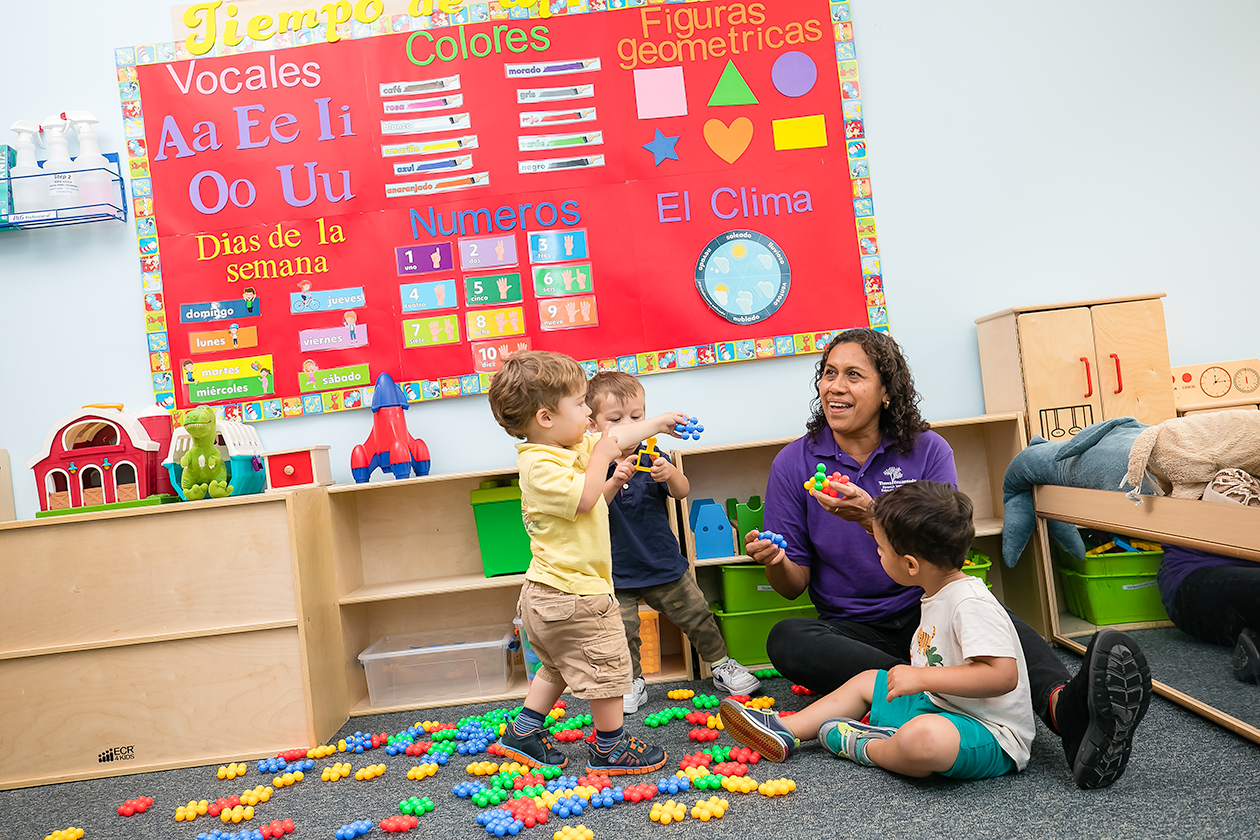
x=261 y=384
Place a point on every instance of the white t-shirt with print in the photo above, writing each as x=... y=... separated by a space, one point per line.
x=963 y=621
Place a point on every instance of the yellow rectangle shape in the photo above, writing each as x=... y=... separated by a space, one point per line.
x=800 y=133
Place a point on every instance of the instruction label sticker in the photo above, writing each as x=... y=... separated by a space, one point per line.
x=435 y=103
x=568 y=314
x=435 y=147
x=525 y=96
x=551 y=164
x=538 y=69
x=425 y=167
x=530 y=119
x=496 y=323
x=437 y=185
x=427 y=125
x=542 y=142
x=426 y=86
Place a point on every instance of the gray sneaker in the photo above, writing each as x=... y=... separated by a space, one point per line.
x=734 y=678
x=759 y=729
x=631 y=702
x=843 y=737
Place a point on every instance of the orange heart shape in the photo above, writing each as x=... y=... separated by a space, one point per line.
x=728 y=142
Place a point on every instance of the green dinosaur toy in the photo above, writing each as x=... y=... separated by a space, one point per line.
x=204 y=470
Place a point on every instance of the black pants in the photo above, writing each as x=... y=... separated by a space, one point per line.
x=822 y=655
x=1216 y=603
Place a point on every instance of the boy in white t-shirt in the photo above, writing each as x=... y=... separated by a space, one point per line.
x=962 y=707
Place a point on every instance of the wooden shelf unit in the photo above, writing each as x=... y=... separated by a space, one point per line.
x=407 y=559
x=1220 y=528
x=166 y=636
x=983 y=446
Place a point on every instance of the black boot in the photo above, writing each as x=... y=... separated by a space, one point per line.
x=1246 y=659
x=1101 y=706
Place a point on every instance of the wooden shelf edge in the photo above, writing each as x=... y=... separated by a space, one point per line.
x=147 y=640
x=147 y=510
x=403 y=589
x=988 y=526
x=1070 y=304
x=518 y=686
x=724 y=561
x=338 y=489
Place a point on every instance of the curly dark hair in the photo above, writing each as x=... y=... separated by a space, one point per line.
x=901 y=420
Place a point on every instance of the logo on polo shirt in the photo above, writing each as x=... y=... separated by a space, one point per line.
x=895 y=480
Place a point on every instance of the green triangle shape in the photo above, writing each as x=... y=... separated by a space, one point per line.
x=731 y=89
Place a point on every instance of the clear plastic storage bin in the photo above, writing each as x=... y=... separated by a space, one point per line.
x=437 y=666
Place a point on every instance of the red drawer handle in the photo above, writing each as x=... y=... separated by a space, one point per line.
x=1119 y=380
x=1089 y=380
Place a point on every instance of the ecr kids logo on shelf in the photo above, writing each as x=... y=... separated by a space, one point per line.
x=117 y=754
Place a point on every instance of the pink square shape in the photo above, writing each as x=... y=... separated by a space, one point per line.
x=659 y=92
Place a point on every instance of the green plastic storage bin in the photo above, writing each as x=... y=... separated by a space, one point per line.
x=745 y=588
x=500 y=528
x=980 y=566
x=1113 y=563
x=745 y=632
x=1112 y=599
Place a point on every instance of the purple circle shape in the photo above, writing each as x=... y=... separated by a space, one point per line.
x=794 y=74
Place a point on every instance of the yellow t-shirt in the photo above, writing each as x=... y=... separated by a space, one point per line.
x=571 y=551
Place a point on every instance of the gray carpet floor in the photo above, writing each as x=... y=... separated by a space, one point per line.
x=1186 y=778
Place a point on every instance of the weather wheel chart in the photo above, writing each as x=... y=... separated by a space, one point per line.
x=394 y=186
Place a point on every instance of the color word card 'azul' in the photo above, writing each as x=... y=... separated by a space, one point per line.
x=563 y=280
x=334 y=338
x=557 y=246
x=222 y=310
x=436 y=294
x=487 y=252
x=430 y=332
x=494 y=289
x=312 y=301
x=495 y=323
x=568 y=314
x=489 y=356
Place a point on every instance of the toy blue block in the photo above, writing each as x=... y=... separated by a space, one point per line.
x=711 y=530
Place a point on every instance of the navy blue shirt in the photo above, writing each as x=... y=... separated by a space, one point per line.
x=644 y=549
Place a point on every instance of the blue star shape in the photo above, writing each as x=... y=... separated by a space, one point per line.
x=662 y=147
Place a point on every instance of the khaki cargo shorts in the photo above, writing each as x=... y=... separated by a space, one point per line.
x=579 y=639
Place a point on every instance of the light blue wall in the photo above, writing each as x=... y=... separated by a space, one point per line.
x=1020 y=154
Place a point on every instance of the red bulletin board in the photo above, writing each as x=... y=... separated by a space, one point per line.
x=643 y=188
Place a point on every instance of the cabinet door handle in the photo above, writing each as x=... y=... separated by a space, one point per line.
x=1119 y=379
x=1089 y=380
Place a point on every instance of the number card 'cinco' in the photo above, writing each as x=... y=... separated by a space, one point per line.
x=326 y=194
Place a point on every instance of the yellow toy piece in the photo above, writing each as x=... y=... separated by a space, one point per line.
x=235 y=815
x=668 y=812
x=1102 y=549
x=418 y=772
x=555 y=714
x=709 y=809
x=191 y=811
x=648 y=451
x=759 y=703
x=715 y=722
x=258 y=794
x=291 y=779
x=231 y=771
x=70 y=833
x=776 y=787
x=681 y=694
x=693 y=773
x=341 y=745
x=321 y=752
x=335 y=772
x=482 y=768
x=739 y=784
x=429 y=725
x=369 y=772
x=574 y=832
x=511 y=767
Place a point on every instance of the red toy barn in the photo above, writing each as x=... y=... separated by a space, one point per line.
x=102 y=455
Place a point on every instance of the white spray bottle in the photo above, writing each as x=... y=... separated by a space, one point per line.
x=62 y=189
x=96 y=187
x=30 y=194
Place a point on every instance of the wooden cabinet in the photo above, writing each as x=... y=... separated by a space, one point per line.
x=983 y=446
x=167 y=636
x=1068 y=366
x=408 y=560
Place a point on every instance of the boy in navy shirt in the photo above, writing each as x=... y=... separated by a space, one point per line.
x=646 y=561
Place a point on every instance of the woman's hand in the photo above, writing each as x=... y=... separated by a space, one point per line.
x=763 y=551
x=853 y=503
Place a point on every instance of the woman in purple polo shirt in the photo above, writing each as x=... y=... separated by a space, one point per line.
x=866 y=425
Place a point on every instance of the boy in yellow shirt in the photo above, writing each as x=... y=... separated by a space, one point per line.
x=567 y=604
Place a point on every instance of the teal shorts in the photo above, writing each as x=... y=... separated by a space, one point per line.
x=979 y=754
